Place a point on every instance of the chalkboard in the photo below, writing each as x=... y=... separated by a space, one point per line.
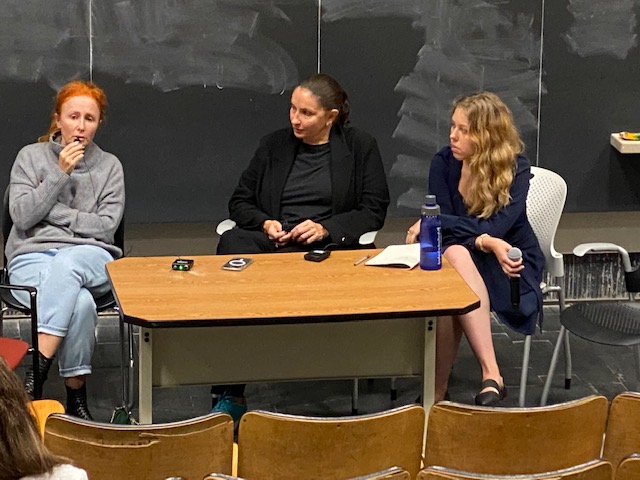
x=194 y=84
x=592 y=65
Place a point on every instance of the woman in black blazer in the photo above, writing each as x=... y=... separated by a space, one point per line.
x=316 y=184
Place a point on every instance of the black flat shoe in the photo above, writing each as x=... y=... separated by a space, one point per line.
x=491 y=397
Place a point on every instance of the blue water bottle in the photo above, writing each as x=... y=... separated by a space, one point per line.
x=430 y=235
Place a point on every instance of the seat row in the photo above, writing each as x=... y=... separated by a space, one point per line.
x=566 y=439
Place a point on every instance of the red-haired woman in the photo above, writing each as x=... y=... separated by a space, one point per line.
x=66 y=199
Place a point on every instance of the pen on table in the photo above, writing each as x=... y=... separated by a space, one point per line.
x=361 y=260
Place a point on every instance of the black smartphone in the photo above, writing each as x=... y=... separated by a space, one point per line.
x=238 y=263
x=317 y=255
x=182 y=264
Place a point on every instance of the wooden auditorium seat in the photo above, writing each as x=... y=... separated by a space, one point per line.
x=41 y=409
x=629 y=468
x=515 y=440
x=280 y=446
x=189 y=449
x=393 y=473
x=623 y=429
x=594 y=470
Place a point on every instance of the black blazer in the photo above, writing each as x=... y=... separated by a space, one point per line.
x=359 y=185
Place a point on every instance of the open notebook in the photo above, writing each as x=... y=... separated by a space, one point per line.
x=398 y=256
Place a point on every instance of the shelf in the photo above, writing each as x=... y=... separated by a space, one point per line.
x=624 y=146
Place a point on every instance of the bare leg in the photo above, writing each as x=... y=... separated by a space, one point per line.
x=75 y=382
x=48 y=344
x=476 y=324
x=448 y=335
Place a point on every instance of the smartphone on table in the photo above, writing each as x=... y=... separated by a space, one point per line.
x=238 y=263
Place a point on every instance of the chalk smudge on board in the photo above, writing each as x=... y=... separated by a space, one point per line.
x=468 y=46
x=602 y=27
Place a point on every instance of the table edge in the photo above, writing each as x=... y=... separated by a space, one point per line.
x=333 y=318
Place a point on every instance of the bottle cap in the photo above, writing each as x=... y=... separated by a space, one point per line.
x=430 y=207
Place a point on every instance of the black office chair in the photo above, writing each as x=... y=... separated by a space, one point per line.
x=103 y=303
x=608 y=322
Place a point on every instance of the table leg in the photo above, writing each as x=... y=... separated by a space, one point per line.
x=429 y=371
x=125 y=392
x=145 y=403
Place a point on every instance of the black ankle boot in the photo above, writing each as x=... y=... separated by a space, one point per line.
x=77 y=402
x=44 y=364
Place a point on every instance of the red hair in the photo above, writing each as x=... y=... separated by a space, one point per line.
x=76 y=88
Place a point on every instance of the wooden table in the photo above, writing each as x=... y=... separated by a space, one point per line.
x=283 y=318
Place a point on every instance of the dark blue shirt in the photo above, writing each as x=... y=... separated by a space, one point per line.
x=510 y=223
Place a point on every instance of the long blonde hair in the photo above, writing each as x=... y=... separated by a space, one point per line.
x=22 y=452
x=497 y=142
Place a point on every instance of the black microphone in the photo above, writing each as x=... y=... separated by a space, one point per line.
x=515 y=254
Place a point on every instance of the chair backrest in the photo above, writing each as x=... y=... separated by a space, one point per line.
x=515 y=440
x=7 y=223
x=279 y=446
x=41 y=409
x=545 y=202
x=188 y=449
x=393 y=473
x=629 y=468
x=594 y=470
x=623 y=428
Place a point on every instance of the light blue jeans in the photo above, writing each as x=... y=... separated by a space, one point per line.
x=68 y=279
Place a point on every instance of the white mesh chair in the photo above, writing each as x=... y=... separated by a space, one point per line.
x=545 y=202
x=225 y=225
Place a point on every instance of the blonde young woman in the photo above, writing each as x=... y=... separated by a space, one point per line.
x=481 y=182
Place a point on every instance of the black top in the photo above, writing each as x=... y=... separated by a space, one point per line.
x=307 y=193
